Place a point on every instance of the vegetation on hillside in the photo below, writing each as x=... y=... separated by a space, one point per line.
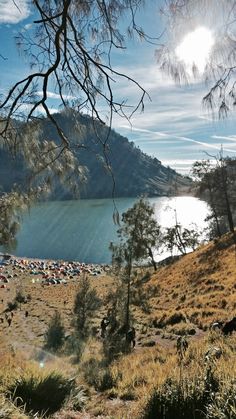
x=140 y=377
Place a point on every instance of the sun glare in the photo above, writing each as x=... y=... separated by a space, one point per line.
x=195 y=48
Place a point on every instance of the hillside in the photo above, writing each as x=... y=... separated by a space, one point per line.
x=184 y=297
x=135 y=172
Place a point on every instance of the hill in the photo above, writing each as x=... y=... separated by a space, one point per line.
x=134 y=172
x=184 y=297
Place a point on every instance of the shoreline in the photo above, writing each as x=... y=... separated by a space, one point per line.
x=7 y=256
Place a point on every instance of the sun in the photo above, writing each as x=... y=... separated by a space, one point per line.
x=195 y=48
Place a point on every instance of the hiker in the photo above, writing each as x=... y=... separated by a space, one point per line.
x=12 y=314
x=104 y=324
x=9 y=320
x=131 y=336
x=113 y=324
x=229 y=327
x=26 y=313
x=181 y=345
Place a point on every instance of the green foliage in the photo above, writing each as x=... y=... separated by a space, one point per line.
x=139 y=234
x=85 y=304
x=55 y=334
x=217 y=184
x=11 y=206
x=42 y=395
x=180 y=238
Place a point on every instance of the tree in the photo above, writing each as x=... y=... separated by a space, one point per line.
x=225 y=173
x=55 y=334
x=218 y=178
x=141 y=231
x=180 y=238
x=69 y=47
x=138 y=235
x=85 y=304
x=183 y=16
x=203 y=173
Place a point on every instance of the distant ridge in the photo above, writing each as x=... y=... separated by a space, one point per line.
x=134 y=172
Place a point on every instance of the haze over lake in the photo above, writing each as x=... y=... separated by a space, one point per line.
x=82 y=230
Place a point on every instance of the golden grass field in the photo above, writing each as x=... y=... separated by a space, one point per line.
x=184 y=297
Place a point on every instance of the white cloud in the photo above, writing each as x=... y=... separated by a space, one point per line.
x=14 y=11
x=26 y=107
x=52 y=95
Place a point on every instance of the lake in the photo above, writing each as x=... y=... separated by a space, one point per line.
x=82 y=230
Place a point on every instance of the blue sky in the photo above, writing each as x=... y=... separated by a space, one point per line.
x=174 y=126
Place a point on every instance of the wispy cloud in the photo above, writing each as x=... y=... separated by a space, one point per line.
x=14 y=11
x=52 y=95
x=228 y=137
x=186 y=139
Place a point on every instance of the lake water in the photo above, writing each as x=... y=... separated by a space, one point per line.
x=82 y=230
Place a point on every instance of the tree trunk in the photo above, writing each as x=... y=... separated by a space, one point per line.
x=127 y=315
x=152 y=258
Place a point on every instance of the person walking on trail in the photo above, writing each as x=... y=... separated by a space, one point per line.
x=131 y=336
x=9 y=320
x=104 y=324
x=26 y=313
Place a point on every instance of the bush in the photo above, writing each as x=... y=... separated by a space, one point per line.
x=20 y=297
x=176 y=318
x=85 y=304
x=42 y=395
x=223 y=406
x=55 y=334
x=97 y=374
x=12 y=305
x=115 y=345
x=175 y=400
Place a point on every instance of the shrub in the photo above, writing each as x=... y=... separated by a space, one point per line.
x=20 y=297
x=97 y=374
x=42 y=395
x=12 y=305
x=148 y=343
x=223 y=406
x=74 y=345
x=86 y=303
x=79 y=398
x=176 y=318
x=114 y=345
x=55 y=334
x=175 y=400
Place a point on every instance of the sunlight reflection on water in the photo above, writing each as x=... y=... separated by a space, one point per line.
x=188 y=210
x=82 y=230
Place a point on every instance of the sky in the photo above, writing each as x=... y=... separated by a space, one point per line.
x=174 y=126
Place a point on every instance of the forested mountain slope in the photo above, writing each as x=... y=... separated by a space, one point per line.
x=134 y=172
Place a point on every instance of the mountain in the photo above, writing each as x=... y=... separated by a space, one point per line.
x=134 y=172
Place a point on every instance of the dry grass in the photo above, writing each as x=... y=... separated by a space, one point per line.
x=184 y=298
